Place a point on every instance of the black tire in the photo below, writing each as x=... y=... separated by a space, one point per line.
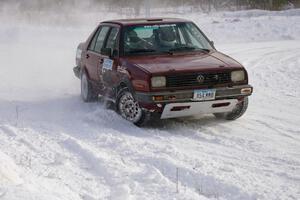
x=129 y=109
x=87 y=92
x=237 y=112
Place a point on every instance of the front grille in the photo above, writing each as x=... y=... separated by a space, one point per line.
x=192 y=79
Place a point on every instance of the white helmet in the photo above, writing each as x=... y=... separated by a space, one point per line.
x=167 y=37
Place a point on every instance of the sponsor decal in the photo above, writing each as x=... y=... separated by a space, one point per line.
x=154 y=27
x=107 y=64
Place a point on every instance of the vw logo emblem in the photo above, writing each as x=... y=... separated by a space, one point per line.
x=200 y=78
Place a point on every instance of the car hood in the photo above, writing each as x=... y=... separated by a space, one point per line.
x=160 y=64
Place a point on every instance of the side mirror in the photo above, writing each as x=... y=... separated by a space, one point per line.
x=107 y=52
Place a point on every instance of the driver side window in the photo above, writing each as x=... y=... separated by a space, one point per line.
x=112 y=39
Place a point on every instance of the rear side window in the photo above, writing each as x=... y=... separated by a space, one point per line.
x=93 y=42
x=101 y=38
x=112 y=38
x=98 y=39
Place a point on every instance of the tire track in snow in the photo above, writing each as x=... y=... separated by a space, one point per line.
x=47 y=167
x=118 y=171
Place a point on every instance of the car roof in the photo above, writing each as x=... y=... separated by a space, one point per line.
x=137 y=21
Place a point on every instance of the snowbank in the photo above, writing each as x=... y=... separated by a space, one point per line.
x=9 y=174
x=251 y=26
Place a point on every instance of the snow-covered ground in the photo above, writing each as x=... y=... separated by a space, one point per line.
x=55 y=147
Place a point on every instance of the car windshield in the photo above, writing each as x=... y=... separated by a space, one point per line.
x=164 y=38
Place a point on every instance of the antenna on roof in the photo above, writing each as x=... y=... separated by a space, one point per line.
x=147 y=8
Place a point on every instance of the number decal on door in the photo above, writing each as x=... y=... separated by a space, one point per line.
x=107 y=64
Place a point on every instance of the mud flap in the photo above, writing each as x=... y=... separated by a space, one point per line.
x=76 y=71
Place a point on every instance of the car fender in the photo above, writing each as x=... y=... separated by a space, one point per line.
x=125 y=82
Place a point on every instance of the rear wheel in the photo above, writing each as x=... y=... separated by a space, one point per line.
x=129 y=108
x=236 y=113
x=87 y=92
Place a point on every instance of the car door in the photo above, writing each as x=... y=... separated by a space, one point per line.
x=93 y=54
x=109 y=70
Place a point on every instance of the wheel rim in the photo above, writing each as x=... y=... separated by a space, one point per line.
x=129 y=108
x=84 y=86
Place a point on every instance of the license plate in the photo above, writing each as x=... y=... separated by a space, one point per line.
x=203 y=95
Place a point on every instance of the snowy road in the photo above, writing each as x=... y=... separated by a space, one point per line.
x=53 y=146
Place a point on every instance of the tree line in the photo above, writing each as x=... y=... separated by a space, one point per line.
x=197 y=5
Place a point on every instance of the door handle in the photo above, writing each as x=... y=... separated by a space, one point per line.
x=87 y=56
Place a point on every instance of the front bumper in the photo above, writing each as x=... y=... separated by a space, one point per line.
x=174 y=110
x=180 y=103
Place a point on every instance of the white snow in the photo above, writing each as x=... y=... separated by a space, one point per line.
x=54 y=146
x=8 y=170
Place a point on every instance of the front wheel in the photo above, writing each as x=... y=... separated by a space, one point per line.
x=236 y=113
x=129 y=108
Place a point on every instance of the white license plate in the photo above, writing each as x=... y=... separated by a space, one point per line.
x=203 y=95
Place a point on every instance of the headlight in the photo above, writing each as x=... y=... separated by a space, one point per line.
x=237 y=76
x=158 y=81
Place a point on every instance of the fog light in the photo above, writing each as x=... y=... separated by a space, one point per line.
x=218 y=105
x=246 y=91
x=180 y=108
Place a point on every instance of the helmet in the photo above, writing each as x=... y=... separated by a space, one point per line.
x=167 y=36
x=132 y=40
x=132 y=37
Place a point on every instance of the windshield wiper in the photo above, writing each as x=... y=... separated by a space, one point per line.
x=141 y=50
x=184 y=48
x=170 y=51
x=181 y=48
x=205 y=50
